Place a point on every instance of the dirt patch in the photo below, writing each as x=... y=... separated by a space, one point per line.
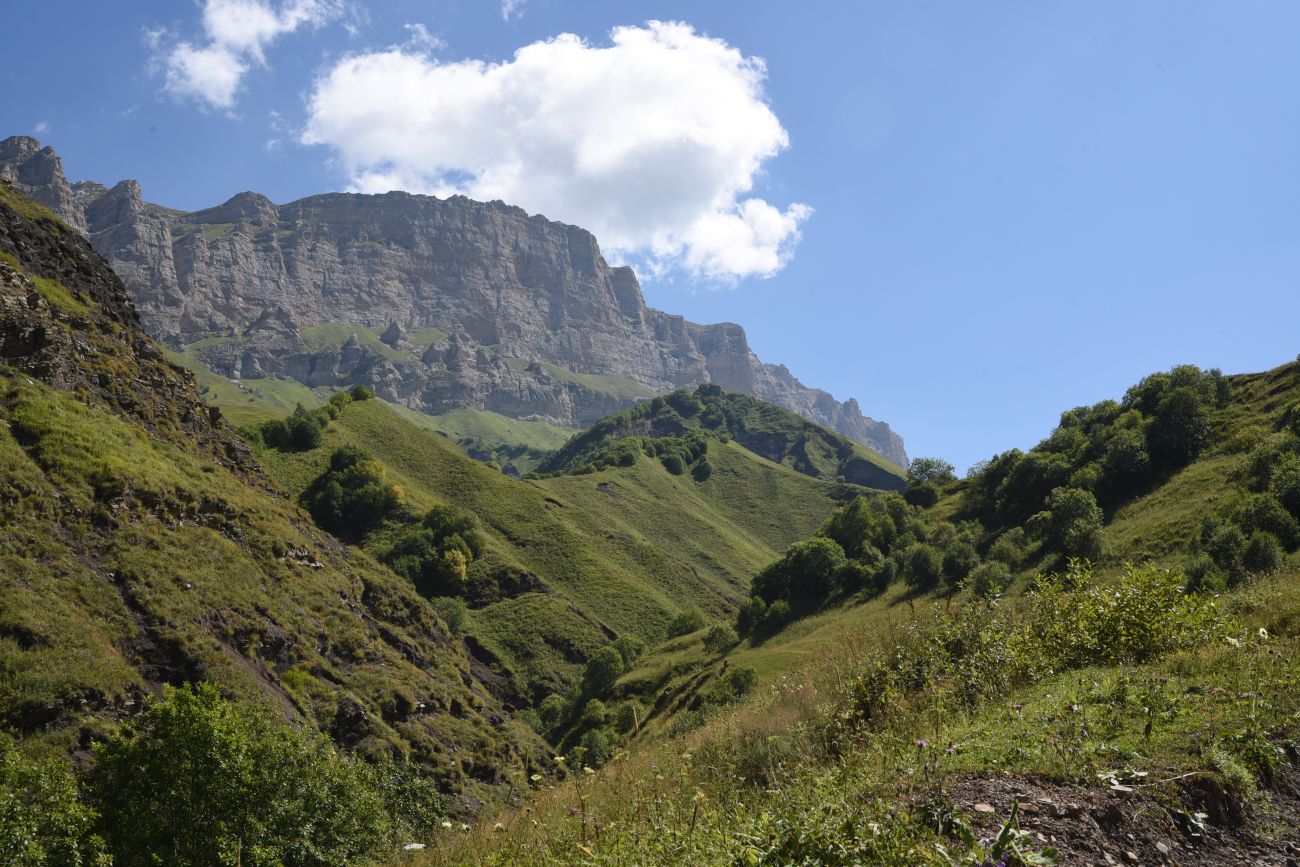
x=1157 y=824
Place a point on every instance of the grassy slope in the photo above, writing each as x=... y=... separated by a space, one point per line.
x=624 y=550
x=133 y=554
x=1192 y=713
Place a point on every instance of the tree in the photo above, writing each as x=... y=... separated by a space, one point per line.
x=630 y=648
x=603 y=669
x=1178 y=429
x=923 y=567
x=804 y=576
x=1074 y=523
x=553 y=709
x=923 y=495
x=720 y=638
x=989 y=579
x=932 y=471
x=1262 y=555
x=958 y=560
x=42 y=818
x=197 y=780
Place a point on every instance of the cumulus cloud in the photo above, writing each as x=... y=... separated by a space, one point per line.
x=652 y=141
x=236 y=33
x=511 y=9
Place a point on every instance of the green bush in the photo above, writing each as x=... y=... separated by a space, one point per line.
x=720 y=639
x=674 y=464
x=300 y=432
x=923 y=495
x=553 y=710
x=989 y=579
x=361 y=392
x=1262 y=554
x=42 y=818
x=453 y=611
x=805 y=576
x=630 y=648
x=352 y=497
x=685 y=623
x=923 y=567
x=603 y=669
x=198 y=781
x=703 y=470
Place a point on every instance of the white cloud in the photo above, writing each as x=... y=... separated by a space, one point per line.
x=653 y=141
x=237 y=33
x=420 y=39
x=41 y=128
x=512 y=9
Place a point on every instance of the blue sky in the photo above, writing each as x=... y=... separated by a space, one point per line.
x=970 y=216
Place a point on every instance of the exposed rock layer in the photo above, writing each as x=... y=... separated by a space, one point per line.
x=468 y=302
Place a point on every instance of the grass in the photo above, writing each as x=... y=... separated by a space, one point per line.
x=792 y=777
x=622 y=550
x=613 y=385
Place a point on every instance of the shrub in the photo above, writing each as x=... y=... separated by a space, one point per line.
x=958 y=561
x=1224 y=543
x=197 y=780
x=1284 y=483
x=1009 y=549
x=594 y=714
x=42 y=818
x=731 y=686
x=630 y=648
x=553 y=710
x=453 y=611
x=301 y=431
x=596 y=747
x=685 y=623
x=628 y=716
x=603 y=669
x=703 y=470
x=923 y=495
x=749 y=619
x=353 y=496
x=674 y=464
x=719 y=639
x=989 y=579
x=923 y=567
x=805 y=576
x=361 y=392
x=1262 y=554
x=1262 y=512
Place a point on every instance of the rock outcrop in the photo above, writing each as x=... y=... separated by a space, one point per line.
x=453 y=302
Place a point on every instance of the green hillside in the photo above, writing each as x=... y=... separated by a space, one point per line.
x=954 y=691
x=617 y=551
x=141 y=545
x=767 y=430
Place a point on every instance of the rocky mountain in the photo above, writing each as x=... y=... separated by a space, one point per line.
x=434 y=303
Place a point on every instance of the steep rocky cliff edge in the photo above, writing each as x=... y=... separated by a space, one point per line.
x=435 y=303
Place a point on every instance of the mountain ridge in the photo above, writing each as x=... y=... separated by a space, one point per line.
x=474 y=301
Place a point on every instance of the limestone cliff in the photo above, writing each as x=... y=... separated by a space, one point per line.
x=435 y=303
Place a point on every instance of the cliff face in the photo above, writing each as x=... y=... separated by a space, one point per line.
x=460 y=303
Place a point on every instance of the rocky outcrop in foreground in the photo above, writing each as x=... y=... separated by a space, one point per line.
x=434 y=303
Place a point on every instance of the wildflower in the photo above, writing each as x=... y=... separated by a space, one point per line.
x=413 y=847
x=536 y=778
x=1263 y=633
x=464 y=827
x=922 y=743
x=1016 y=707
x=950 y=750
x=498 y=827
x=446 y=824
x=587 y=770
x=1233 y=641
